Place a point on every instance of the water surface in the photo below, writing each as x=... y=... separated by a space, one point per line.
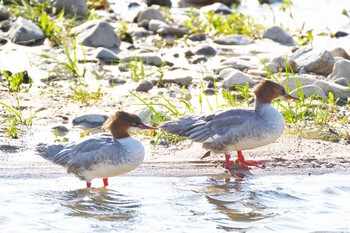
x=290 y=203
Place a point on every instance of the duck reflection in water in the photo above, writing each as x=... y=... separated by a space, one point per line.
x=101 y=204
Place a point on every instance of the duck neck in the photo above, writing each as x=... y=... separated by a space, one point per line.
x=119 y=132
x=261 y=106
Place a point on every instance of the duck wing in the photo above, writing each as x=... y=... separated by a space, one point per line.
x=209 y=127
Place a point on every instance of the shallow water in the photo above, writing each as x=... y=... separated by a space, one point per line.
x=170 y=204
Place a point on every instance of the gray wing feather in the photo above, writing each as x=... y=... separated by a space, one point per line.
x=200 y=128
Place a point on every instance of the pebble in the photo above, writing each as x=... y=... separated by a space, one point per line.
x=90 y=121
x=144 y=86
x=279 y=35
x=96 y=33
x=24 y=31
x=233 y=77
x=234 y=40
x=71 y=7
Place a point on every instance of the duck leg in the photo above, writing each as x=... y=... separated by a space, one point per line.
x=105 y=182
x=248 y=163
x=227 y=163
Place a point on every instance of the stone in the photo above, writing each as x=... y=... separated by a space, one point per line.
x=96 y=33
x=71 y=7
x=4 y=13
x=338 y=91
x=90 y=120
x=316 y=61
x=307 y=91
x=155 y=24
x=172 y=31
x=340 y=52
x=61 y=130
x=342 y=81
x=341 y=69
x=149 y=13
x=197 y=37
x=295 y=82
x=234 y=40
x=232 y=77
x=279 y=35
x=166 y=3
x=204 y=49
x=280 y=63
x=147 y=58
x=217 y=8
x=144 y=86
x=24 y=31
x=200 y=3
x=105 y=54
x=237 y=63
x=180 y=77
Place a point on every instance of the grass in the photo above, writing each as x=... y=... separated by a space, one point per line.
x=86 y=97
x=70 y=64
x=218 y=24
x=15 y=81
x=16 y=117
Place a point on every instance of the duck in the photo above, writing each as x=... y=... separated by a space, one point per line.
x=102 y=155
x=238 y=129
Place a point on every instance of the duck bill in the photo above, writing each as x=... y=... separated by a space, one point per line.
x=286 y=96
x=147 y=127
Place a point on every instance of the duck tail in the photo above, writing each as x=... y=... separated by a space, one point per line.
x=48 y=151
x=178 y=127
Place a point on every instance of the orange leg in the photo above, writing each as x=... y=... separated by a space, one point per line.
x=88 y=184
x=248 y=163
x=105 y=182
x=227 y=163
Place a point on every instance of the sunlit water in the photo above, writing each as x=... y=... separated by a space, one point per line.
x=171 y=204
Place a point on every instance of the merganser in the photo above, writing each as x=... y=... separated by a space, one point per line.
x=236 y=129
x=102 y=155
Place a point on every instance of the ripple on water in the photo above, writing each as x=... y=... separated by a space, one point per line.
x=172 y=204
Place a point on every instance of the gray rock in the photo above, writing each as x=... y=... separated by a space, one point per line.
x=204 y=49
x=339 y=91
x=4 y=13
x=234 y=40
x=295 y=82
x=144 y=86
x=271 y=68
x=281 y=62
x=340 y=52
x=61 y=130
x=148 y=14
x=156 y=24
x=233 y=77
x=236 y=63
x=309 y=90
x=172 y=31
x=96 y=33
x=90 y=120
x=166 y=3
x=319 y=62
x=71 y=7
x=24 y=31
x=341 y=69
x=180 y=77
x=199 y=3
x=147 y=58
x=197 y=37
x=106 y=54
x=342 y=81
x=217 y=8
x=279 y=35
x=301 y=51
